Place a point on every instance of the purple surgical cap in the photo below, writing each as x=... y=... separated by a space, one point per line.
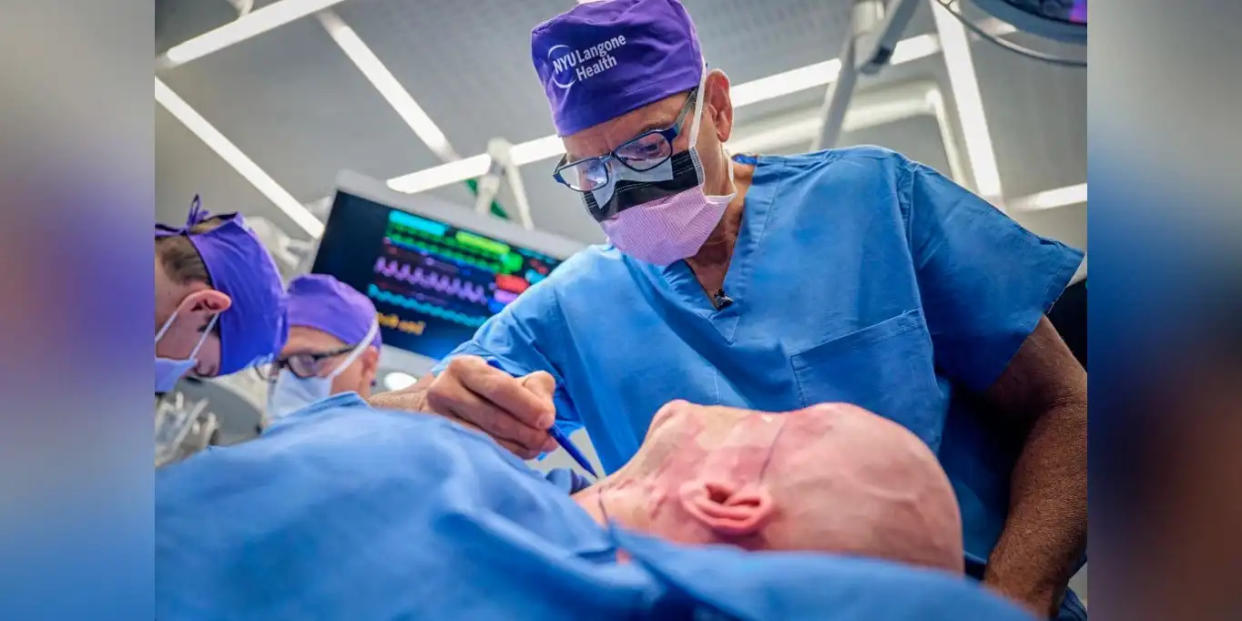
x=600 y=60
x=253 y=329
x=324 y=303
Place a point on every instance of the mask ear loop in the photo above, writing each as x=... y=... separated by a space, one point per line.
x=203 y=338
x=160 y=334
x=698 y=108
x=694 y=132
x=353 y=355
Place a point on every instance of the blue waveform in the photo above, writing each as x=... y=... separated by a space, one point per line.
x=435 y=311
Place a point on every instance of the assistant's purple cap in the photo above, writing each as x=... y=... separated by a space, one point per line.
x=253 y=329
x=602 y=59
x=324 y=303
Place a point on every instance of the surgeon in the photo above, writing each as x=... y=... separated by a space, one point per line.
x=775 y=282
x=341 y=511
x=333 y=345
x=219 y=302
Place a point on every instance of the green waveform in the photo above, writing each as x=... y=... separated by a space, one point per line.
x=482 y=244
x=434 y=311
x=511 y=262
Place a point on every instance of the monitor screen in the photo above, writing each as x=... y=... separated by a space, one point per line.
x=433 y=282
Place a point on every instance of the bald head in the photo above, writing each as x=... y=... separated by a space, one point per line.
x=832 y=478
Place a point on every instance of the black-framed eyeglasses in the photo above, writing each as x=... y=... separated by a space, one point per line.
x=304 y=364
x=642 y=153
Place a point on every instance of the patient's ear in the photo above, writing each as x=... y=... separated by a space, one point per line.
x=726 y=508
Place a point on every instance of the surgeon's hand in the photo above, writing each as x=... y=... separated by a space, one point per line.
x=515 y=411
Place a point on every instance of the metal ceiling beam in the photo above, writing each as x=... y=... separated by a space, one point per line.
x=872 y=40
x=967 y=100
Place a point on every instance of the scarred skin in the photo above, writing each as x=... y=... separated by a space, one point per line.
x=832 y=478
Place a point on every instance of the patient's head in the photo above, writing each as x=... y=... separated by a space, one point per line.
x=832 y=477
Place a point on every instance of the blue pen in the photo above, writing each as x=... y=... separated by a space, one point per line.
x=558 y=435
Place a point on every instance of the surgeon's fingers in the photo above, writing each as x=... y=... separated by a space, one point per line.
x=540 y=382
x=529 y=408
x=496 y=422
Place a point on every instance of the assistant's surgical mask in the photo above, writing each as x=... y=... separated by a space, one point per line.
x=667 y=227
x=290 y=393
x=168 y=371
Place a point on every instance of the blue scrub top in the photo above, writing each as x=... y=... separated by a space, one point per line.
x=858 y=276
x=343 y=512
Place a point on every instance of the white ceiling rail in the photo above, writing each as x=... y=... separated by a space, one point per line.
x=870 y=109
x=499 y=163
x=386 y=83
x=249 y=25
x=1050 y=199
x=234 y=157
x=944 y=123
x=867 y=48
x=972 y=119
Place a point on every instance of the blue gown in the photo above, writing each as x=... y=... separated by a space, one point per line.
x=343 y=512
x=858 y=276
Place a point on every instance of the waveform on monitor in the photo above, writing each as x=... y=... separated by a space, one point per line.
x=469 y=321
x=463 y=245
x=443 y=283
x=442 y=252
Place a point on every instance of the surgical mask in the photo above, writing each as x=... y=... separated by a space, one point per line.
x=666 y=229
x=290 y=393
x=168 y=371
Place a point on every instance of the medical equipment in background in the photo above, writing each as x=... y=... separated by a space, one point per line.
x=292 y=256
x=501 y=168
x=183 y=426
x=877 y=25
x=198 y=413
x=1063 y=20
x=434 y=270
x=1060 y=20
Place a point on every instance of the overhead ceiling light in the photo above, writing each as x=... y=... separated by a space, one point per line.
x=442 y=175
x=537 y=149
x=256 y=22
x=965 y=85
x=821 y=73
x=784 y=83
x=238 y=160
x=1051 y=199
x=744 y=94
x=388 y=86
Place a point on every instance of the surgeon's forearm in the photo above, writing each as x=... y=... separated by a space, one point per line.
x=1046 y=531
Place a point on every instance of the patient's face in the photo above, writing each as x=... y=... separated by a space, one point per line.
x=832 y=477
